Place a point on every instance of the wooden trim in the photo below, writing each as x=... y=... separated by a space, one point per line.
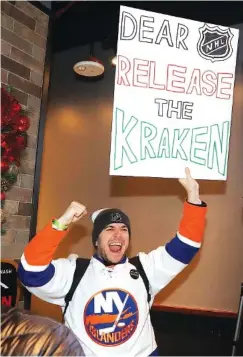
x=40 y=141
x=196 y=311
x=40 y=138
x=10 y=261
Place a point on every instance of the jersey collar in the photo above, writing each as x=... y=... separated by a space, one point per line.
x=124 y=259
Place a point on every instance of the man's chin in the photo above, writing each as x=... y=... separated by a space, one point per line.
x=115 y=258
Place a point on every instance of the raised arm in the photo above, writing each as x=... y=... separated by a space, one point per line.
x=43 y=276
x=166 y=262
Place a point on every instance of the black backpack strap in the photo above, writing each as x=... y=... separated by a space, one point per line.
x=137 y=263
x=81 y=267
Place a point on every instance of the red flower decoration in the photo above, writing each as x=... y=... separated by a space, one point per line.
x=4 y=165
x=24 y=123
x=16 y=107
x=21 y=141
x=14 y=124
x=4 y=144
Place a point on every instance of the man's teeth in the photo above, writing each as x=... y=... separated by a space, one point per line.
x=119 y=244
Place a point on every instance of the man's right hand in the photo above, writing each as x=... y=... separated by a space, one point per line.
x=73 y=213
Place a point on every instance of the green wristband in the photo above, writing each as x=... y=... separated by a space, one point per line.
x=58 y=226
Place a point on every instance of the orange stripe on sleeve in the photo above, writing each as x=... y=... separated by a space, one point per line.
x=42 y=247
x=192 y=224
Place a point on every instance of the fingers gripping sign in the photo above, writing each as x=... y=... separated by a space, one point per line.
x=191 y=186
x=188 y=182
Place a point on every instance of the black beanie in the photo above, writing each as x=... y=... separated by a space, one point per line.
x=106 y=217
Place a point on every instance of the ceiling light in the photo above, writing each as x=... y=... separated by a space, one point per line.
x=91 y=67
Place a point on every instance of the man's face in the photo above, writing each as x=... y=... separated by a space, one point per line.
x=113 y=242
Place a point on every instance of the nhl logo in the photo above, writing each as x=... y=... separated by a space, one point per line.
x=116 y=217
x=214 y=43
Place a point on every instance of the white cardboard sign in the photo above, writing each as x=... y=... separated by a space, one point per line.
x=173 y=96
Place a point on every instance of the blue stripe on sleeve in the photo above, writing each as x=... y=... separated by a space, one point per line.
x=155 y=352
x=180 y=251
x=34 y=279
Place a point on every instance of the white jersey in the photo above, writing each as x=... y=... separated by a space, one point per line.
x=109 y=312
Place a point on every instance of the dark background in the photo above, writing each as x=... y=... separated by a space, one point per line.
x=87 y=21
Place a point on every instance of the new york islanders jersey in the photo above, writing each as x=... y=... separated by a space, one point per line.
x=109 y=312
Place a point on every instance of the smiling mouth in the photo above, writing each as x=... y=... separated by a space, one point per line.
x=115 y=247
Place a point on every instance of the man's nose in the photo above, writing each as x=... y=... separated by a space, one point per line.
x=117 y=233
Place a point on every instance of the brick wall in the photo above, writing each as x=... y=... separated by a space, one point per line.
x=23 y=42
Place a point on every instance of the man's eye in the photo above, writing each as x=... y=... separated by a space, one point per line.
x=109 y=229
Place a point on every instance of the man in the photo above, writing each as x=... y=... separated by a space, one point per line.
x=109 y=311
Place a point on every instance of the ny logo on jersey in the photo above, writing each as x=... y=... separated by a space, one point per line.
x=111 y=317
x=107 y=302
